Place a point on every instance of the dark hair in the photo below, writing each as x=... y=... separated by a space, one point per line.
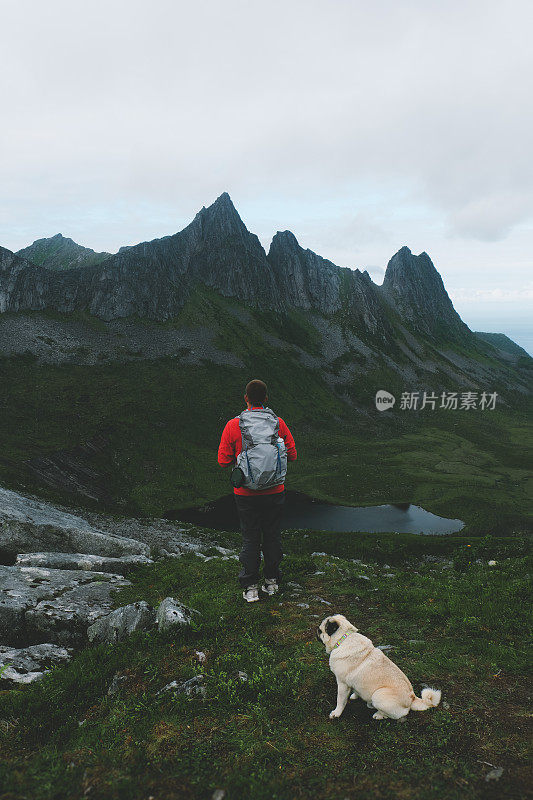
x=256 y=392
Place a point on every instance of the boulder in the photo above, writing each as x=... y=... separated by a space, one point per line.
x=40 y=605
x=122 y=622
x=65 y=619
x=171 y=612
x=28 y=664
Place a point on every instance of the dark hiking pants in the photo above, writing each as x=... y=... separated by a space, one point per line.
x=260 y=519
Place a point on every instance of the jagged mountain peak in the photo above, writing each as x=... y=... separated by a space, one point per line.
x=222 y=210
x=283 y=241
x=413 y=285
x=223 y=200
x=404 y=267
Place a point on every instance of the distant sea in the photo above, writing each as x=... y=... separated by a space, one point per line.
x=517 y=325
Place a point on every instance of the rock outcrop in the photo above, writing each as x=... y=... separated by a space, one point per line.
x=82 y=561
x=306 y=280
x=39 y=605
x=55 y=601
x=29 y=525
x=122 y=622
x=30 y=663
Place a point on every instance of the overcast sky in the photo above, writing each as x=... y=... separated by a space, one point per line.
x=359 y=126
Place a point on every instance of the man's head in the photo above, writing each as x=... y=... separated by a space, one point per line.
x=256 y=393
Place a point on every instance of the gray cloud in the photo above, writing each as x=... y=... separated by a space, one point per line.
x=361 y=126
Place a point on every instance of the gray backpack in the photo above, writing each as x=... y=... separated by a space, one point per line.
x=263 y=458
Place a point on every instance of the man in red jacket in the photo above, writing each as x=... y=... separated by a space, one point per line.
x=260 y=511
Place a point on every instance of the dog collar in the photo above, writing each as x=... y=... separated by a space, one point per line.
x=343 y=637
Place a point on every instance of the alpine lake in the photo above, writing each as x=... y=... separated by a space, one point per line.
x=302 y=512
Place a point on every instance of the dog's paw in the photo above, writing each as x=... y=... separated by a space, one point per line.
x=379 y=715
x=354 y=696
x=335 y=713
x=370 y=705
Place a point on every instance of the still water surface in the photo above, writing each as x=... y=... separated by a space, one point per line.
x=303 y=512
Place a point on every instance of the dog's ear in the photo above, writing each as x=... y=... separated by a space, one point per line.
x=331 y=627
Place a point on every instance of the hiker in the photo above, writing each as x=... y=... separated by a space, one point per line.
x=259 y=444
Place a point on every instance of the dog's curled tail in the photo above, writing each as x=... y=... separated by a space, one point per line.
x=430 y=698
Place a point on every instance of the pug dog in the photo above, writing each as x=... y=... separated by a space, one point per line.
x=364 y=671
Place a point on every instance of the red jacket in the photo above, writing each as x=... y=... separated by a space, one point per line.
x=231 y=445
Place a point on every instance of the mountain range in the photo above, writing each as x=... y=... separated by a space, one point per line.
x=118 y=371
x=154 y=280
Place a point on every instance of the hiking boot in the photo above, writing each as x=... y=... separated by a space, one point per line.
x=270 y=586
x=251 y=594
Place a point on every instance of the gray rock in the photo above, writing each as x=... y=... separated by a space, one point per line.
x=494 y=774
x=115 y=685
x=36 y=603
x=415 y=288
x=194 y=686
x=65 y=619
x=122 y=622
x=385 y=647
x=28 y=664
x=83 y=561
x=12 y=619
x=29 y=525
x=171 y=612
x=302 y=605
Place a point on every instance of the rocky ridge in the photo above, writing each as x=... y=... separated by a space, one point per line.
x=154 y=279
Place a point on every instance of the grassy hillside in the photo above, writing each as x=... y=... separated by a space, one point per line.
x=60 y=252
x=164 y=418
x=165 y=421
x=455 y=623
x=503 y=342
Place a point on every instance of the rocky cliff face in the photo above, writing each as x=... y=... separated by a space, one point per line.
x=415 y=288
x=59 y=252
x=153 y=280
x=306 y=280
